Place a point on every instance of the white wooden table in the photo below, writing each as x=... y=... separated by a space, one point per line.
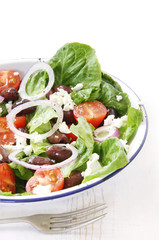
x=125 y=36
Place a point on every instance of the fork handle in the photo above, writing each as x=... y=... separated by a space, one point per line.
x=13 y=220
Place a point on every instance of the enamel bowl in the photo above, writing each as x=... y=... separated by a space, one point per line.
x=22 y=67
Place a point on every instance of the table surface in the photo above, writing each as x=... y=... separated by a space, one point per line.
x=125 y=37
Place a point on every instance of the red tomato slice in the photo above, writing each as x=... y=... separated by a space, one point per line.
x=7 y=178
x=6 y=135
x=53 y=177
x=71 y=135
x=9 y=79
x=94 y=112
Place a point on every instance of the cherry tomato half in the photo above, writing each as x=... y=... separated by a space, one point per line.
x=94 y=112
x=7 y=178
x=6 y=135
x=52 y=177
x=9 y=79
x=71 y=136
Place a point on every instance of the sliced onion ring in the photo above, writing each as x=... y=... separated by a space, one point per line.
x=1 y=99
x=35 y=68
x=16 y=110
x=45 y=167
x=114 y=133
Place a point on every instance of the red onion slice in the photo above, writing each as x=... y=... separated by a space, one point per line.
x=45 y=167
x=104 y=130
x=1 y=99
x=16 y=110
x=35 y=68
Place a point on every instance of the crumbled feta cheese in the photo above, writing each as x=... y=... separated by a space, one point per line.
x=15 y=73
x=42 y=190
x=78 y=87
x=11 y=148
x=125 y=145
x=119 y=98
x=73 y=143
x=1 y=157
x=21 y=141
x=63 y=99
x=1 y=110
x=93 y=165
x=28 y=150
x=64 y=128
x=9 y=106
x=115 y=122
x=37 y=137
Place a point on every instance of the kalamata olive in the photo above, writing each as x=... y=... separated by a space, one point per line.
x=58 y=153
x=74 y=179
x=4 y=154
x=69 y=117
x=112 y=111
x=25 y=130
x=65 y=88
x=49 y=93
x=58 y=137
x=37 y=160
x=25 y=111
x=10 y=94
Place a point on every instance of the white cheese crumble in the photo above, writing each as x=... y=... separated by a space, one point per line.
x=1 y=110
x=63 y=99
x=119 y=98
x=78 y=87
x=15 y=73
x=28 y=150
x=125 y=145
x=115 y=122
x=1 y=157
x=42 y=190
x=11 y=148
x=93 y=165
x=21 y=141
x=37 y=137
x=9 y=106
x=64 y=128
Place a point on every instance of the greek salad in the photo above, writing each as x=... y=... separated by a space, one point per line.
x=63 y=124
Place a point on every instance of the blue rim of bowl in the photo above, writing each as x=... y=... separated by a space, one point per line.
x=86 y=186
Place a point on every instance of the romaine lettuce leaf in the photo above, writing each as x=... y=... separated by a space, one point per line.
x=129 y=128
x=84 y=144
x=77 y=63
x=40 y=122
x=21 y=172
x=108 y=96
x=112 y=157
x=3 y=109
x=36 y=83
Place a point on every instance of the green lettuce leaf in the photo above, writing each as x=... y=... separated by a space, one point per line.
x=108 y=96
x=40 y=122
x=84 y=144
x=36 y=83
x=112 y=157
x=77 y=63
x=3 y=109
x=107 y=78
x=21 y=172
x=128 y=129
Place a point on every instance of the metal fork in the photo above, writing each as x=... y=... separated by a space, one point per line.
x=63 y=222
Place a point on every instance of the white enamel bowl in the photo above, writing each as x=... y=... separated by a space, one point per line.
x=22 y=67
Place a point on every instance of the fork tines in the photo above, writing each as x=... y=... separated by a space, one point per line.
x=78 y=218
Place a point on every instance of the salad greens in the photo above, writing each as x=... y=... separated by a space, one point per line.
x=84 y=144
x=72 y=64
x=128 y=129
x=77 y=63
x=112 y=157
